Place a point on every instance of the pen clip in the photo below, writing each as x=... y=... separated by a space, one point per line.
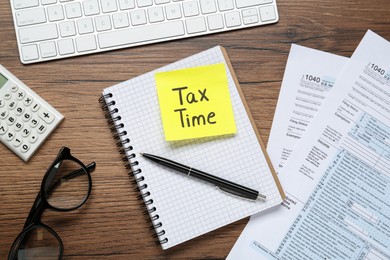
x=235 y=194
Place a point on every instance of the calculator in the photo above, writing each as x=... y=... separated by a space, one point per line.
x=26 y=120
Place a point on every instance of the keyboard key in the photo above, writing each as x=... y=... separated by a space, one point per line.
x=86 y=43
x=103 y=23
x=48 y=2
x=196 y=25
x=31 y=16
x=190 y=8
x=173 y=11
x=126 y=4
x=38 y=33
x=246 y=3
x=120 y=20
x=30 y=52
x=2 y=102
x=73 y=10
x=91 y=7
x=208 y=6
x=20 y=4
x=85 y=25
x=159 y=2
x=232 y=19
x=250 y=16
x=156 y=14
x=225 y=5
x=66 y=47
x=138 y=17
x=55 y=13
x=67 y=29
x=109 y=6
x=144 y=3
x=141 y=34
x=215 y=22
x=267 y=13
x=48 y=49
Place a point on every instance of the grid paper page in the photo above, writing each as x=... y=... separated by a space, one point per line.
x=188 y=207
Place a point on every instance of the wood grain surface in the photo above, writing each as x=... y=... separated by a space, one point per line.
x=111 y=225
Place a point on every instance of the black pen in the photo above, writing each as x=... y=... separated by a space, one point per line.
x=224 y=185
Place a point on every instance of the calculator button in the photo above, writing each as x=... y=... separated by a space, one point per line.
x=27 y=101
x=24 y=148
x=14 y=88
x=12 y=105
x=25 y=132
x=19 y=110
x=19 y=125
x=8 y=95
x=21 y=94
x=2 y=102
x=34 y=122
x=3 y=114
x=11 y=120
x=3 y=129
x=35 y=106
x=33 y=138
x=41 y=128
x=9 y=136
x=46 y=115
x=26 y=116
x=17 y=141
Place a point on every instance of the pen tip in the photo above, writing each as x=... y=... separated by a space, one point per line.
x=141 y=154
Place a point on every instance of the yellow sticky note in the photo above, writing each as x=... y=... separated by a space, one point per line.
x=195 y=102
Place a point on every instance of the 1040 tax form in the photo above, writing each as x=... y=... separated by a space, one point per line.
x=337 y=179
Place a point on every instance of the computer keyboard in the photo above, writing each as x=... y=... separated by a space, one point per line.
x=55 y=29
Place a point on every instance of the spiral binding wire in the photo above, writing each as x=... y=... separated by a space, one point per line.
x=128 y=157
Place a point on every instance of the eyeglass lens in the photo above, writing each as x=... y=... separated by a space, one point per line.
x=68 y=188
x=38 y=243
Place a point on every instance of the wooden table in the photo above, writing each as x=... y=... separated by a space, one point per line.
x=112 y=225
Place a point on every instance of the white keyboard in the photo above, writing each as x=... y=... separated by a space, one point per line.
x=55 y=29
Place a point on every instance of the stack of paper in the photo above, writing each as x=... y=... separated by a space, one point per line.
x=334 y=165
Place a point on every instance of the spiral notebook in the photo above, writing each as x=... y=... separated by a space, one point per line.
x=179 y=207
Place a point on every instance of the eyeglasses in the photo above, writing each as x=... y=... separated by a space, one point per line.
x=66 y=186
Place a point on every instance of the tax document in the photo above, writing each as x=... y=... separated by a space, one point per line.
x=309 y=76
x=338 y=181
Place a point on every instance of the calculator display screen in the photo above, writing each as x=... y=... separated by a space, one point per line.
x=3 y=80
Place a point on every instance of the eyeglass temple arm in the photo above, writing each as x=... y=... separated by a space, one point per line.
x=90 y=167
x=36 y=210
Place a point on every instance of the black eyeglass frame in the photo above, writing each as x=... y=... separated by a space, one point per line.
x=41 y=204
